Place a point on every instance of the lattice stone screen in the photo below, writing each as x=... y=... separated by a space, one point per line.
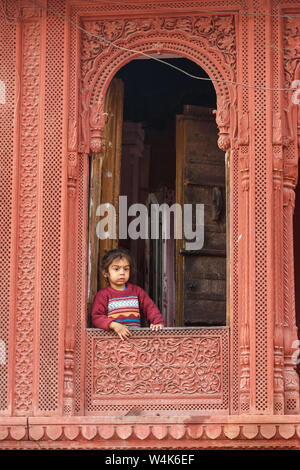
x=7 y=117
x=52 y=214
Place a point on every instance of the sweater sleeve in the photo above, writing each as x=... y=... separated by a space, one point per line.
x=150 y=309
x=99 y=312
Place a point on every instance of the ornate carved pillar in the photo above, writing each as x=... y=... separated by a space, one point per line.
x=278 y=265
x=291 y=379
x=29 y=151
x=291 y=38
x=70 y=325
x=244 y=384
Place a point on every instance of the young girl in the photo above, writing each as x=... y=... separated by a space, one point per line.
x=117 y=306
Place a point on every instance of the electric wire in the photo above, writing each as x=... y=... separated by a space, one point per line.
x=107 y=41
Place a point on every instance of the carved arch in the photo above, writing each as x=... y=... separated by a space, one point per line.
x=208 y=41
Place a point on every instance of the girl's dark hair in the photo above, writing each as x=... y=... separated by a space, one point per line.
x=117 y=253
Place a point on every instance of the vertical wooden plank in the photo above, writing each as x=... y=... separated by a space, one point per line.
x=200 y=179
x=111 y=167
x=105 y=184
x=93 y=247
x=180 y=158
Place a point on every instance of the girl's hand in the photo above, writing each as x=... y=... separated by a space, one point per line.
x=121 y=330
x=157 y=327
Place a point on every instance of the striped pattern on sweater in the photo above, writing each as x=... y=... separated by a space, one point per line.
x=125 y=310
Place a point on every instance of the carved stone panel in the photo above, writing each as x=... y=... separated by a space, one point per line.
x=28 y=194
x=176 y=370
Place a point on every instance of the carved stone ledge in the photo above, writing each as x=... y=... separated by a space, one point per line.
x=13 y=429
x=184 y=432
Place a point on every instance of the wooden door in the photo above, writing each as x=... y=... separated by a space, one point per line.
x=105 y=168
x=200 y=178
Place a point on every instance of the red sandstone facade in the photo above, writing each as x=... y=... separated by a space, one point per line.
x=54 y=394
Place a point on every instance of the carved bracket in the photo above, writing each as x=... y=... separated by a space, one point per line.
x=223 y=123
x=72 y=158
x=72 y=173
x=98 y=118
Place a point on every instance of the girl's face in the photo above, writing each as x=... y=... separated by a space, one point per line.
x=118 y=273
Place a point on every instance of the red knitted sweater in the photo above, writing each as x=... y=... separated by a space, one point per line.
x=124 y=306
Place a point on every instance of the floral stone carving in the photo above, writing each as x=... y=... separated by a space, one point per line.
x=187 y=368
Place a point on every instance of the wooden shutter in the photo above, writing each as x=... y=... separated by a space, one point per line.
x=200 y=178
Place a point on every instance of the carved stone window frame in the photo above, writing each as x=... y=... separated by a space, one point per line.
x=208 y=40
